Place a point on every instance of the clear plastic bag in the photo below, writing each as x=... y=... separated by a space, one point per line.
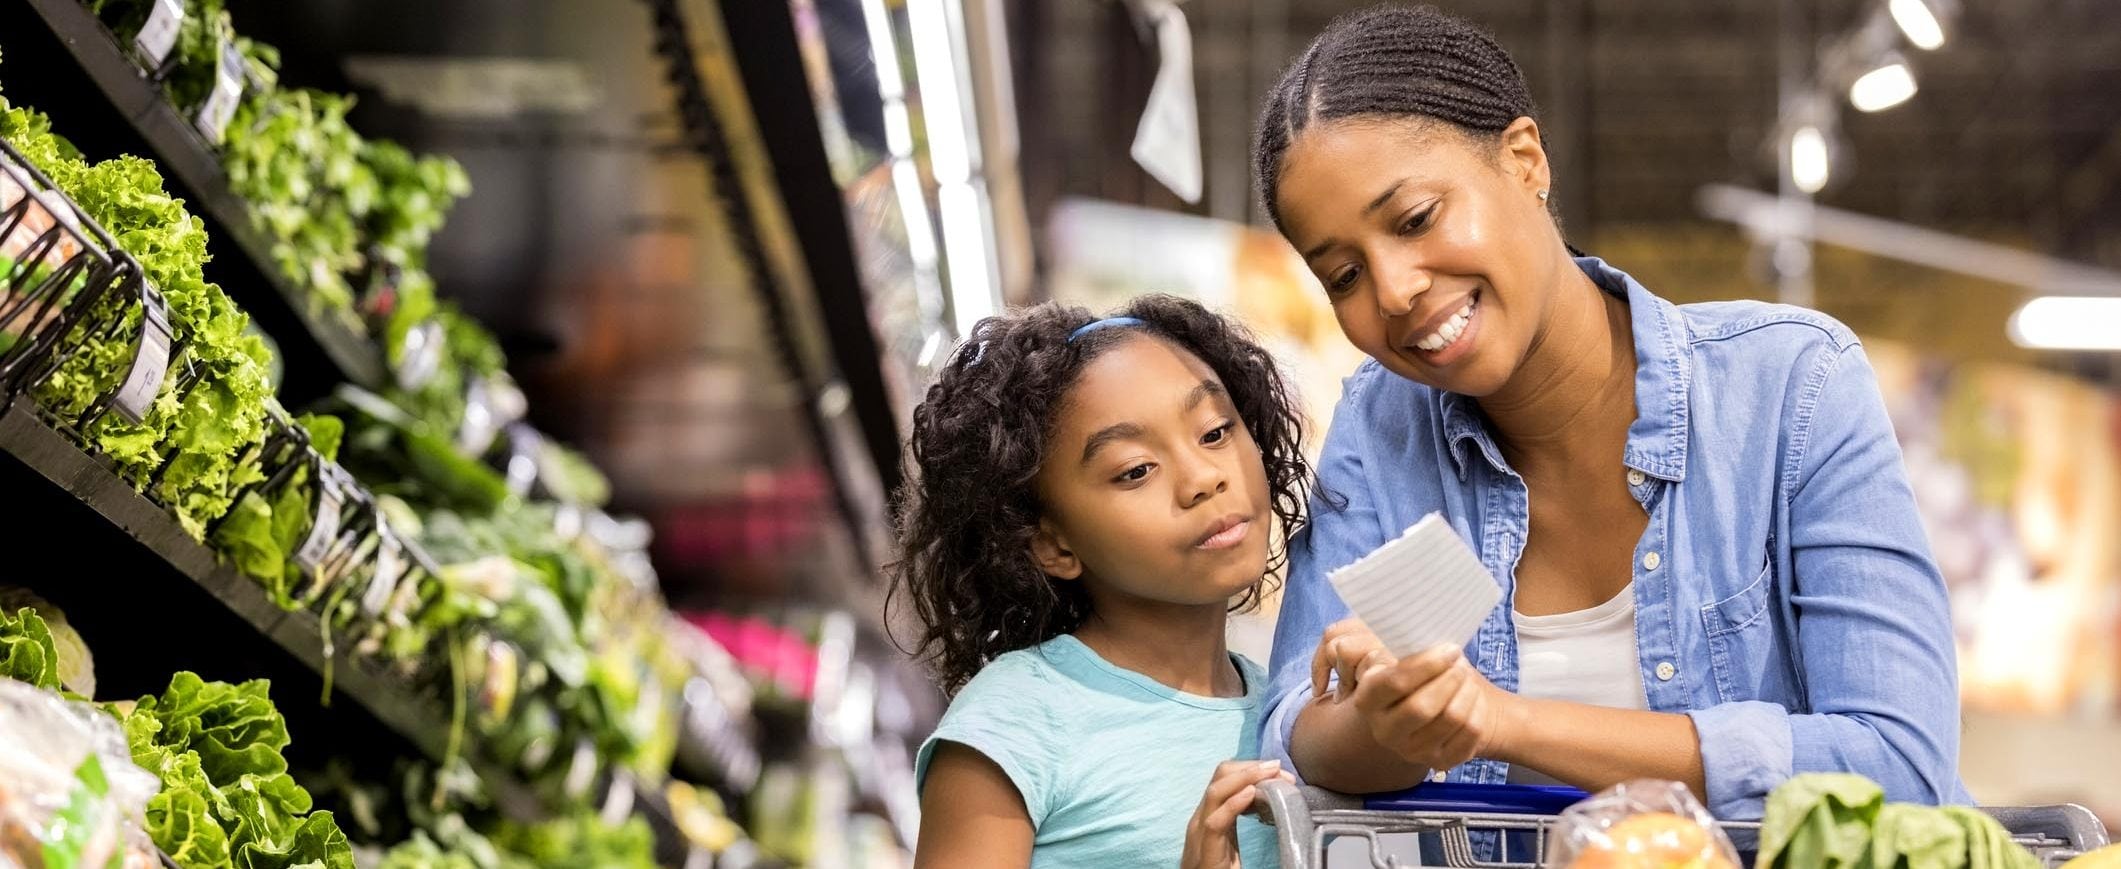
x=1640 y=825
x=70 y=796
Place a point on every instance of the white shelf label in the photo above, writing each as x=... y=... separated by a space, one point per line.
x=324 y=529
x=159 y=35
x=390 y=567
x=143 y=382
x=422 y=355
x=220 y=105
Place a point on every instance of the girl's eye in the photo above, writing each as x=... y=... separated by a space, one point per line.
x=1218 y=434
x=1343 y=279
x=1134 y=474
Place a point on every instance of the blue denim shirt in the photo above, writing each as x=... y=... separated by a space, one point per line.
x=1791 y=606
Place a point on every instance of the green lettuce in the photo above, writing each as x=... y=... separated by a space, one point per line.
x=26 y=650
x=227 y=800
x=1820 y=821
x=262 y=532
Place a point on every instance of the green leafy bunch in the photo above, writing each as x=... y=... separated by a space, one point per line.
x=294 y=158
x=227 y=801
x=200 y=432
x=262 y=532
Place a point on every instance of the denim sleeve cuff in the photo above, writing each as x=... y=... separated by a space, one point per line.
x=1281 y=726
x=1746 y=750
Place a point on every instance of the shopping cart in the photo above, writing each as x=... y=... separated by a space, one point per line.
x=1506 y=827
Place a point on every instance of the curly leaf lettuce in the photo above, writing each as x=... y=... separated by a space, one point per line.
x=227 y=800
x=26 y=650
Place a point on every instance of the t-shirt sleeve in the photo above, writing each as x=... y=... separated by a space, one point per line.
x=1004 y=713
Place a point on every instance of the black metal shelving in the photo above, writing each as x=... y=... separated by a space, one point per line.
x=319 y=349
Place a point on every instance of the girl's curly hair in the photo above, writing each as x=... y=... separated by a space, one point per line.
x=965 y=525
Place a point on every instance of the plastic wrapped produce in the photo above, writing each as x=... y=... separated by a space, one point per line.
x=70 y=795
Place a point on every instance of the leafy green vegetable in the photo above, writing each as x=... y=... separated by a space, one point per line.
x=77 y=666
x=1917 y=837
x=1821 y=820
x=1988 y=844
x=570 y=477
x=26 y=650
x=398 y=454
x=1842 y=820
x=581 y=839
x=201 y=432
x=227 y=800
x=292 y=156
x=262 y=533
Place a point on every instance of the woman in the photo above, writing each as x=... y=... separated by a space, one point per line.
x=1712 y=567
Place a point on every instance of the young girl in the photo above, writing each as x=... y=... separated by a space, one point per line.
x=1093 y=498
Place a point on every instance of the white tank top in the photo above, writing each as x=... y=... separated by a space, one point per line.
x=1587 y=656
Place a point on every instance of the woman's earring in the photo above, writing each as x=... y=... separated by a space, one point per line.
x=1542 y=196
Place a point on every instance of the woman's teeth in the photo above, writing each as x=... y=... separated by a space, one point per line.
x=1448 y=333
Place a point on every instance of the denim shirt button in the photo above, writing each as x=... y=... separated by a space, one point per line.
x=1665 y=671
x=1650 y=561
x=1635 y=477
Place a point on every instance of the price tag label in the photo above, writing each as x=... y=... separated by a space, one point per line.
x=421 y=357
x=480 y=421
x=524 y=447
x=143 y=382
x=618 y=802
x=324 y=528
x=159 y=35
x=220 y=105
x=390 y=567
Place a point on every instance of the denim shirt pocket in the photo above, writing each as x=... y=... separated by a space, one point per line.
x=1743 y=643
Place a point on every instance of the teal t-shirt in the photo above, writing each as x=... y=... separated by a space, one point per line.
x=1111 y=763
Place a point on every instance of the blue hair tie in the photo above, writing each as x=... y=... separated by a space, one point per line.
x=1106 y=323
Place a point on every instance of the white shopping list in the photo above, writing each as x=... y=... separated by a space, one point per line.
x=1423 y=589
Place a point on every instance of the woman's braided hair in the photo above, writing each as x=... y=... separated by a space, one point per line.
x=1391 y=62
x=965 y=526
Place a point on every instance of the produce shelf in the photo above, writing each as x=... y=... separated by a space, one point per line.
x=422 y=722
x=318 y=347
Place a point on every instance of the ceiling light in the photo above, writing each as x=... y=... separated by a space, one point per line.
x=1808 y=159
x=1918 y=22
x=1882 y=88
x=2068 y=323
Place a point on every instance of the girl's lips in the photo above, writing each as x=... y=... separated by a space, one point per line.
x=1230 y=535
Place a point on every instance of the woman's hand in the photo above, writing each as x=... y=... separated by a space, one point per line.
x=1348 y=649
x=1433 y=709
x=1211 y=836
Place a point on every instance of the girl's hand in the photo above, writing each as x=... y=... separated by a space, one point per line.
x=1211 y=836
x=1432 y=709
x=1349 y=649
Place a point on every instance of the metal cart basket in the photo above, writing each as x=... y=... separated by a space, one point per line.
x=1307 y=820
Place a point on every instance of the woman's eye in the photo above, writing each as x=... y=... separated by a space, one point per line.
x=1134 y=474
x=1218 y=434
x=1417 y=222
x=1343 y=279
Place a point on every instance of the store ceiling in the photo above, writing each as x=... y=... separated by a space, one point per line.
x=2014 y=135
x=593 y=246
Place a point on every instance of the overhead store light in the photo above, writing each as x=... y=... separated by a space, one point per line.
x=1810 y=165
x=940 y=60
x=1884 y=87
x=2068 y=323
x=1918 y=22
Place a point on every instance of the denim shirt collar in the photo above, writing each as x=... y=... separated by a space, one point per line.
x=1657 y=440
